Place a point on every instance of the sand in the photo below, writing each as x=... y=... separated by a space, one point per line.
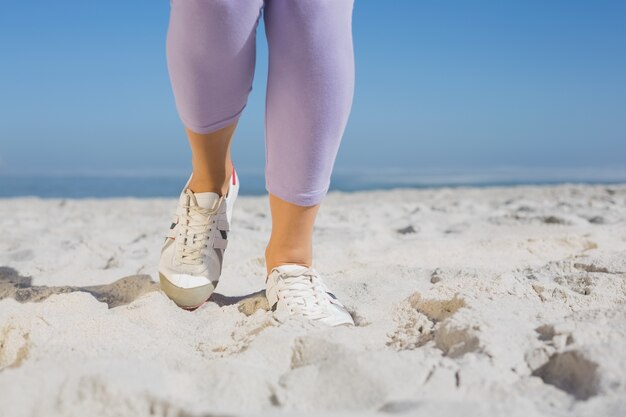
x=496 y=301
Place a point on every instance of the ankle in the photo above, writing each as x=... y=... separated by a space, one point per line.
x=208 y=185
x=211 y=182
x=276 y=256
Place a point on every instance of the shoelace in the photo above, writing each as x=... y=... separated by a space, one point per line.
x=303 y=292
x=196 y=227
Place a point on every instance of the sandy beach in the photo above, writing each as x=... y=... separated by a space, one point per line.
x=505 y=301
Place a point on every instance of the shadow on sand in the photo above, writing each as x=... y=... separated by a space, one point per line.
x=121 y=292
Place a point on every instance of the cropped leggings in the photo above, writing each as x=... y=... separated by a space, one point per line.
x=211 y=56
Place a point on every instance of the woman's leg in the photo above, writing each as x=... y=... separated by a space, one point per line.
x=210 y=57
x=210 y=159
x=309 y=97
x=291 y=241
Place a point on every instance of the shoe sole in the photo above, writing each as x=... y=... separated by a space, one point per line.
x=187 y=298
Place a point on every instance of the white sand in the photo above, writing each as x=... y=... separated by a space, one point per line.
x=496 y=302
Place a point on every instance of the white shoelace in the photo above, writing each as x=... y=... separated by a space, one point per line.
x=303 y=292
x=195 y=228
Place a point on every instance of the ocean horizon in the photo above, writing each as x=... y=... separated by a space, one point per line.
x=150 y=184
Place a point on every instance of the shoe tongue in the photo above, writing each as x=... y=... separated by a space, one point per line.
x=207 y=199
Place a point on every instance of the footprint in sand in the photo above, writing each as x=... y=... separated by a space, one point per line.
x=424 y=320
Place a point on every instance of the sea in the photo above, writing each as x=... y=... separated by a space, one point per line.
x=151 y=184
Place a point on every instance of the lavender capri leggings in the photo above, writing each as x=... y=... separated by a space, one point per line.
x=211 y=56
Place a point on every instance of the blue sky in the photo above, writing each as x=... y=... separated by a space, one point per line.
x=84 y=86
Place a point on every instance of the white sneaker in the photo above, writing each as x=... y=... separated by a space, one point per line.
x=297 y=290
x=191 y=257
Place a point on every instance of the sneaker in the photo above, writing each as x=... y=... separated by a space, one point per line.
x=297 y=290
x=191 y=257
